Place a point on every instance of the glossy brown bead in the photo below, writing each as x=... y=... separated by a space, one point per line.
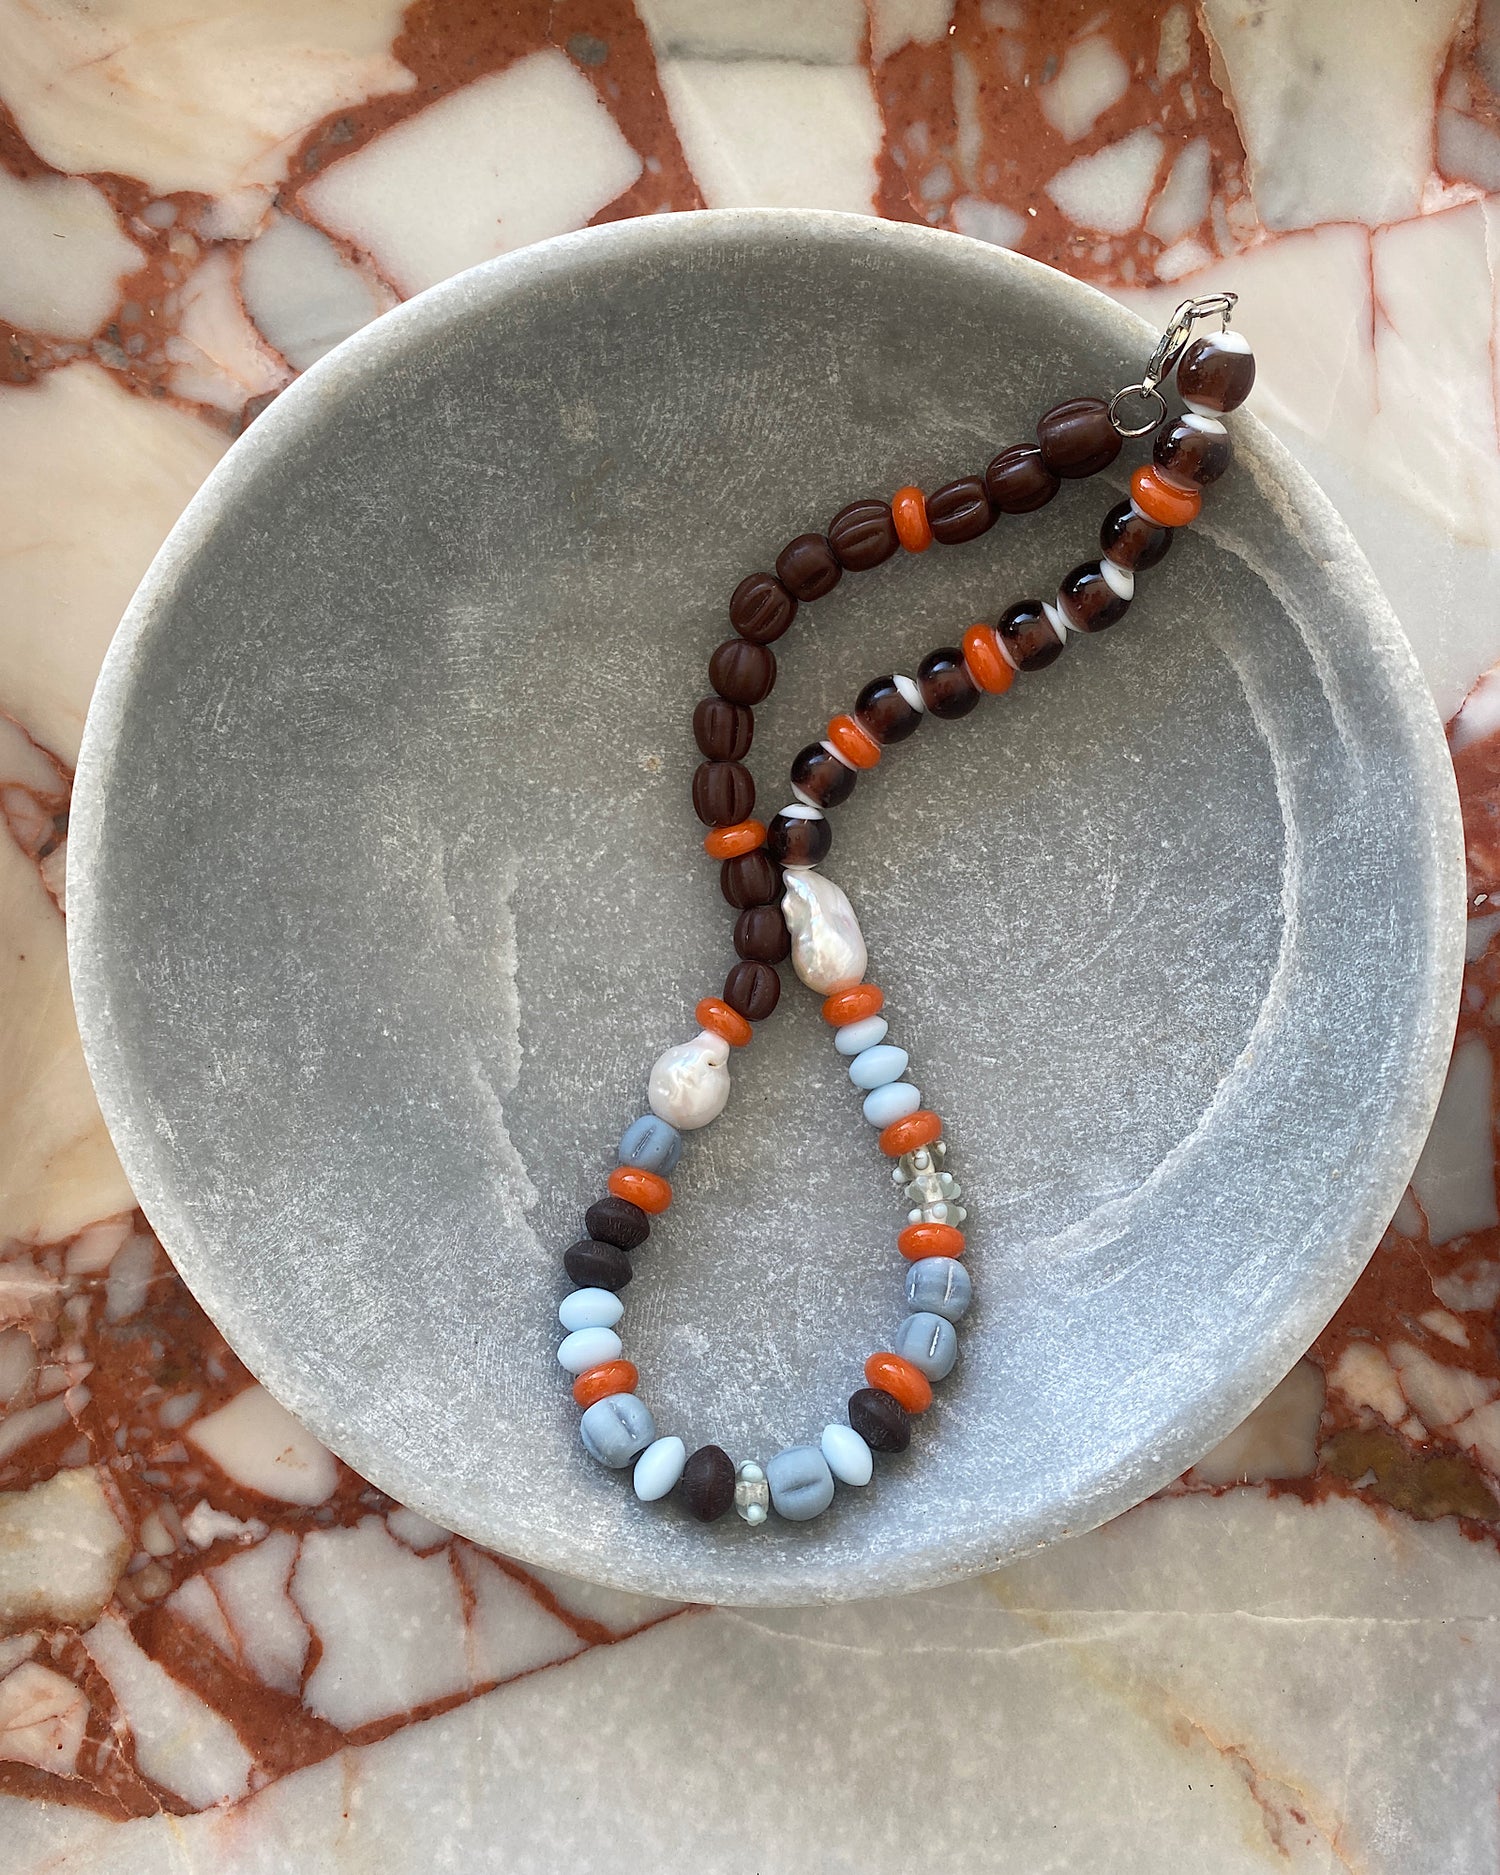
x=947 y=688
x=723 y=731
x=960 y=511
x=793 y=841
x=706 y=1486
x=617 y=1221
x=1087 y=600
x=822 y=777
x=881 y=708
x=760 y=934
x=754 y=989
x=1189 y=456
x=1018 y=481
x=863 y=535
x=1215 y=374
x=593 y=1265
x=883 y=1423
x=1077 y=437
x=1131 y=541
x=723 y=792
x=743 y=672
x=808 y=567
x=1028 y=637
x=761 y=608
x=751 y=879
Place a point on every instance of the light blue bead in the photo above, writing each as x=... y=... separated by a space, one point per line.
x=941 y=1286
x=875 y=1066
x=651 y=1145
x=590 y=1308
x=929 y=1343
x=617 y=1429
x=801 y=1483
x=849 y=1458
x=855 y=1037
x=892 y=1102
x=588 y=1347
x=658 y=1468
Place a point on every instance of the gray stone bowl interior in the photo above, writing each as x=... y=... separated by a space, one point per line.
x=386 y=891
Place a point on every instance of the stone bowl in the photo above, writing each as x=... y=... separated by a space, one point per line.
x=386 y=891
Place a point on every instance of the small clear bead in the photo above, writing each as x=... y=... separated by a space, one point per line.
x=752 y=1494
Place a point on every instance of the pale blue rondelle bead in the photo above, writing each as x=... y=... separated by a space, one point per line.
x=941 y=1286
x=586 y=1348
x=873 y=1067
x=658 y=1468
x=651 y=1145
x=590 y=1308
x=929 y=1343
x=616 y=1429
x=849 y=1459
x=892 y=1102
x=801 y=1483
x=855 y=1037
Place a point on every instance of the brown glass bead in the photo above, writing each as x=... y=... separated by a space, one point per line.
x=793 y=841
x=863 y=535
x=960 y=511
x=760 y=934
x=883 y=1423
x=1018 y=481
x=723 y=792
x=754 y=989
x=1028 y=636
x=723 y=731
x=617 y=1221
x=706 y=1486
x=947 y=688
x=1087 y=600
x=761 y=608
x=1212 y=374
x=742 y=672
x=822 y=777
x=881 y=708
x=808 y=567
x=1077 y=437
x=751 y=879
x=1190 y=457
x=1131 y=541
x=593 y=1265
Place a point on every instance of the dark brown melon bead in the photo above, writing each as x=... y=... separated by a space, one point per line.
x=1217 y=372
x=754 y=989
x=761 y=608
x=1131 y=541
x=742 y=672
x=617 y=1221
x=881 y=708
x=808 y=567
x=723 y=731
x=1077 y=437
x=751 y=879
x=822 y=777
x=863 y=535
x=593 y=1265
x=798 y=840
x=1018 y=481
x=723 y=793
x=947 y=688
x=1087 y=600
x=1027 y=634
x=761 y=936
x=960 y=511
x=706 y=1486
x=1190 y=454
x=883 y=1423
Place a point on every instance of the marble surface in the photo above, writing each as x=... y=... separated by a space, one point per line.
x=222 y=1650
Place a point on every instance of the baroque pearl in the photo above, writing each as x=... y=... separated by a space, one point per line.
x=690 y=1083
x=828 y=948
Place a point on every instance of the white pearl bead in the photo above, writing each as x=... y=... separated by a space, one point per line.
x=855 y=1037
x=690 y=1083
x=658 y=1468
x=828 y=947
x=590 y=1308
x=588 y=1347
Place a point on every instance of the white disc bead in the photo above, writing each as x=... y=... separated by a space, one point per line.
x=1120 y=579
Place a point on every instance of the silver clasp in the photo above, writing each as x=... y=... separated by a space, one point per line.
x=1169 y=349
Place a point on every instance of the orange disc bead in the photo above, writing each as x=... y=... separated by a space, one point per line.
x=987 y=663
x=917 y=1129
x=651 y=1193
x=930 y=1240
x=909 y=512
x=598 y=1383
x=903 y=1382
x=715 y=1014
x=733 y=842
x=854 y=1004
x=854 y=742
x=1160 y=501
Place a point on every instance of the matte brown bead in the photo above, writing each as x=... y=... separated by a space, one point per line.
x=881 y=708
x=1215 y=373
x=1190 y=457
x=617 y=1221
x=1087 y=600
x=761 y=608
x=1131 y=541
x=796 y=842
x=743 y=672
x=1028 y=636
x=1077 y=437
x=947 y=688
x=822 y=777
x=863 y=535
x=706 y=1486
x=1018 y=481
x=751 y=879
x=960 y=511
x=593 y=1265
x=760 y=934
x=883 y=1423
x=808 y=567
x=723 y=792
x=723 y=731
x=754 y=989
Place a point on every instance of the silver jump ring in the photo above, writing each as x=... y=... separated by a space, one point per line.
x=1149 y=394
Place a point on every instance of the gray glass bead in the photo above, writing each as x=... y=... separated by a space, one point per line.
x=801 y=1483
x=873 y=1067
x=651 y=1145
x=855 y=1037
x=617 y=1429
x=940 y=1285
x=929 y=1343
